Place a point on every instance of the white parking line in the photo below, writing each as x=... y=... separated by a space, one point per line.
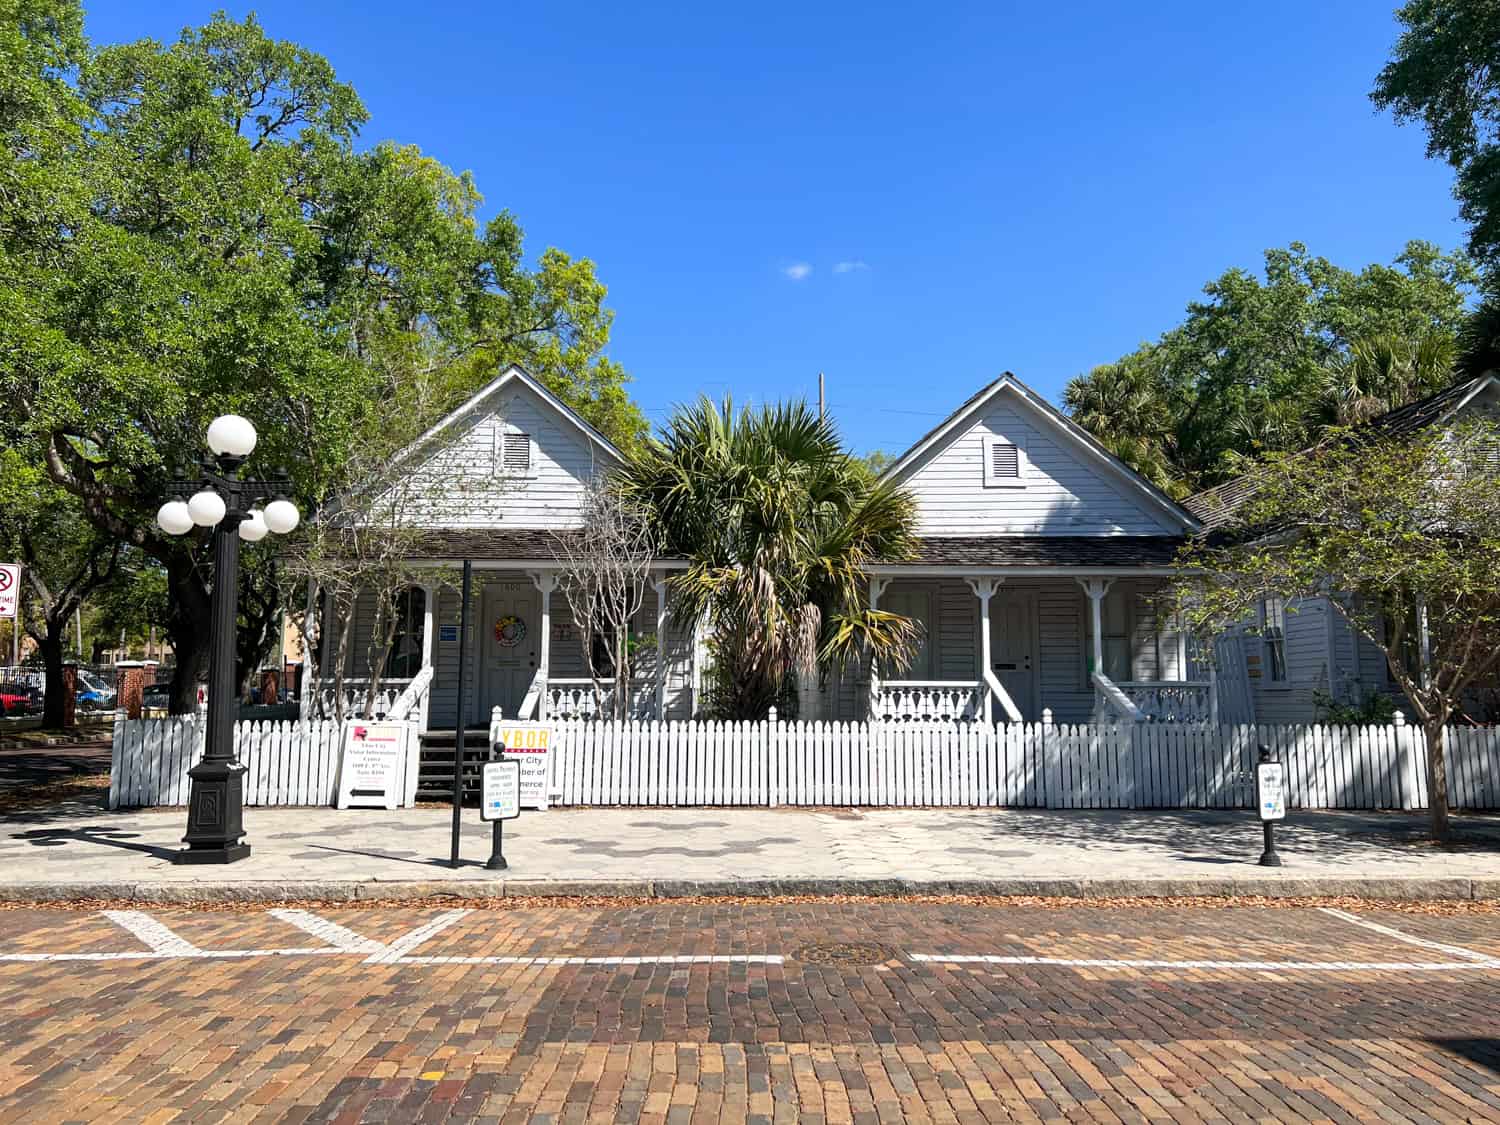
x=152 y=933
x=1260 y=966
x=398 y=949
x=1409 y=939
x=663 y=959
x=340 y=937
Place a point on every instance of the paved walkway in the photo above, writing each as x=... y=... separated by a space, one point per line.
x=82 y=851
x=834 y=1013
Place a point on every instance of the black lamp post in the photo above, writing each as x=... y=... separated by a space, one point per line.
x=224 y=502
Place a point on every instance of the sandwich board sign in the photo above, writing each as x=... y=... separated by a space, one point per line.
x=500 y=791
x=370 y=768
x=531 y=745
x=10 y=589
x=1270 y=790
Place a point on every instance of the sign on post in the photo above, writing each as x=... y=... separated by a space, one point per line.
x=370 y=767
x=1270 y=790
x=531 y=745
x=10 y=589
x=501 y=790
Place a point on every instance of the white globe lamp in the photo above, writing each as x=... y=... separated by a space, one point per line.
x=174 y=518
x=282 y=516
x=206 y=508
x=253 y=527
x=231 y=436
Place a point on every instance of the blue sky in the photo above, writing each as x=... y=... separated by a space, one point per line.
x=910 y=198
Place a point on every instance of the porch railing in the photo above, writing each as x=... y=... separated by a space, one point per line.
x=1171 y=701
x=928 y=701
x=578 y=699
x=355 y=690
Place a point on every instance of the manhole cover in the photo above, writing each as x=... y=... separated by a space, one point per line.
x=843 y=953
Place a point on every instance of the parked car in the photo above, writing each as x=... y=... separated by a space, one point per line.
x=157 y=698
x=19 y=699
x=93 y=694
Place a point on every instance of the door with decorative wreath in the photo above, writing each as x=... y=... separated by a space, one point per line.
x=512 y=618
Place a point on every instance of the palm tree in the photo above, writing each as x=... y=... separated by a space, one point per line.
x=1124 y=405
x=1383 y=372
x=779 y=523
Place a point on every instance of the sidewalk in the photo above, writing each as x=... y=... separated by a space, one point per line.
x=81 y=851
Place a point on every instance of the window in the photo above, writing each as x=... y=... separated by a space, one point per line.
x=1273 y=634
x=1115 y=615
x=515 y=454
x=405 y=660
x=1003 y=461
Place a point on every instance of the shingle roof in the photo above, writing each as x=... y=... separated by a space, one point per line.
x=521 y=544
x=1047 y=550
x=1216 y=507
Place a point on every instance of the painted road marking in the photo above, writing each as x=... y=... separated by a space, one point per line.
x=340 y=937
x=1410 y=939
x=1263 y=966
x=153 y=934
x=409 y=941
x=662 y=959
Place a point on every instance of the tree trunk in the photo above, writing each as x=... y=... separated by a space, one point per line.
x=189 y=625
x=1435 y=730
x=51 y=646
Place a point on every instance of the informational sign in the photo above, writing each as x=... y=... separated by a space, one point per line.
x=10 y=588
x=531 y=745
x=1270 y=790
x=448 y=633
x=371 y=766
x=501 y=790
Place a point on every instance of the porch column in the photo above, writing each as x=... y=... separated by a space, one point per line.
x=660 y=586
x=545 y=581
x=984 y=589
x=1424 y=641
x=1096 y=588
x=877 y=587
x=312 y=658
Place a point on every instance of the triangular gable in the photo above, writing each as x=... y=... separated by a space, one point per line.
x=1067 y=433
x=512 y=374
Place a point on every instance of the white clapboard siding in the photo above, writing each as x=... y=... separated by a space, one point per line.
x=1084 y=766
x=286 y=763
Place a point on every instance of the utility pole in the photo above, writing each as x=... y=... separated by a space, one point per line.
x=822 y=408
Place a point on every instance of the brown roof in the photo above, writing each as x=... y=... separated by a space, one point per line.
x=521 y=544
x=1047 y=550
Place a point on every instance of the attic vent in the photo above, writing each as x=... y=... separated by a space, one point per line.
x=1005 y=460
x=516 y=453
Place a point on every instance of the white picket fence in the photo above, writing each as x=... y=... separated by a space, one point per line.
x=287 y=763
x=1033 y=765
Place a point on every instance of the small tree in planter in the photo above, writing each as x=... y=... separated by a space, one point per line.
x=1402 y=535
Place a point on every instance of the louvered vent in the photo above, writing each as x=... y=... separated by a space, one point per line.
x=1005 y=461
x=516 y=457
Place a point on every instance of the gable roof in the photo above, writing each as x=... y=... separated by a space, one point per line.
x=511 y=375
x=1080 y=438
x=1216 y=507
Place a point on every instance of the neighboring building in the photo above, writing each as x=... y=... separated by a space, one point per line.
x=1040 y=556
x=1299 y=651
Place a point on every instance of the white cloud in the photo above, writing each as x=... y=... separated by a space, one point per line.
x=850 y=267
x=797 y=271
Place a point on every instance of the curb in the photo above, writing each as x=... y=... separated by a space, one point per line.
x=1401 y=889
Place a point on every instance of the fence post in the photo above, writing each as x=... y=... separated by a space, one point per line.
x=1134 y=745
x=1052 y=755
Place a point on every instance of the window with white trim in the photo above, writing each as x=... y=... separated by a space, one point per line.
x=1004 y=463
x=1273 y=635
x=515 y=454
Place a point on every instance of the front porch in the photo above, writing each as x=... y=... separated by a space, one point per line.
x=1065 y=648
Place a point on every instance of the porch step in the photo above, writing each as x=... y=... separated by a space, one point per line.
x=435 y=768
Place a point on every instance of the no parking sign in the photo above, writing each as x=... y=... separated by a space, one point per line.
x=10 y=588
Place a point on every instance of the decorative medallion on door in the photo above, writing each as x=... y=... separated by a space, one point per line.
x=510 y=631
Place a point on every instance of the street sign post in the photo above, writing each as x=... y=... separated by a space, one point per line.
x=1270 y=801
x=499 y=801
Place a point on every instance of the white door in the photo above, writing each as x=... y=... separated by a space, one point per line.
x=511 y=642
x=1013 y=647
x=917 y=605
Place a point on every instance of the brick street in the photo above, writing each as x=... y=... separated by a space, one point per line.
x=830 y=1011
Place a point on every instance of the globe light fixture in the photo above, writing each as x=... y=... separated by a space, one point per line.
x=229 y=435
x=206 y=508
x=253 y=527
x=282 y=516
x=174 y=518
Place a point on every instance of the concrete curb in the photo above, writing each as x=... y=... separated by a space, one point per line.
x=1405 y=889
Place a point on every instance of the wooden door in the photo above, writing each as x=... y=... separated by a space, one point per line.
x=511 y=642
x=1013 y=648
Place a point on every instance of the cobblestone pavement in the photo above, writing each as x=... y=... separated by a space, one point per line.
x=750 y=1012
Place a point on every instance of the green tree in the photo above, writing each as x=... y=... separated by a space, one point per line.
x=1444 y=71
x=1262 y=365
x=779 y=522
x=1407 y=532
x=198 y=235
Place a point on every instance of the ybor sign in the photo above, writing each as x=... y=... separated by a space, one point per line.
x=530 y=744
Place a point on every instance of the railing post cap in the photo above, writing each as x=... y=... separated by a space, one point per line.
x=1399 y=718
